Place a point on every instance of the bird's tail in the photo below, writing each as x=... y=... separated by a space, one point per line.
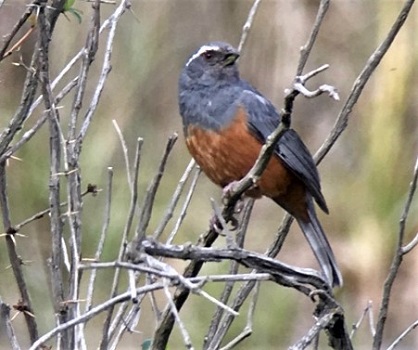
x=319 y=243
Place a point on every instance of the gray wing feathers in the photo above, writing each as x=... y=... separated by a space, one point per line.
x=262 y=120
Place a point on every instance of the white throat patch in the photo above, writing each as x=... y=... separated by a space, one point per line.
x=203 y=49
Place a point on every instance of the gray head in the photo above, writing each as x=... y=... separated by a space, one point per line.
x=212 y=62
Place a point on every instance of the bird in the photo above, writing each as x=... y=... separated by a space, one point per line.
x=226 y=121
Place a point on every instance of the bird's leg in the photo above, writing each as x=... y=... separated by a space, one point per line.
x=229 y=189
x=227 y=192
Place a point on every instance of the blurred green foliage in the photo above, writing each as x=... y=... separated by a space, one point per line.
x=365 y=177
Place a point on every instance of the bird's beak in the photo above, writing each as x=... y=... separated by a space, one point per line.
x=231 y=58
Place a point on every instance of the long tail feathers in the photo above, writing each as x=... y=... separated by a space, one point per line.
x=319 y=243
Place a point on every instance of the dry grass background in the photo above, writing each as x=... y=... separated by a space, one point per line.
x=365 y=177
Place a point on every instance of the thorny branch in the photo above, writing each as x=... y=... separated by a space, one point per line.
x=14 y=258
x=38 y=76
x=25 y=16
x=6 y=324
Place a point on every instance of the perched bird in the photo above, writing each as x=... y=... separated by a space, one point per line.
x=226 y=121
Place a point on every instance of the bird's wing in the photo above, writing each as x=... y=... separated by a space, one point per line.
x=263 y=119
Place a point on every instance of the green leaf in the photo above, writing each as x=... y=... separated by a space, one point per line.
x=68 y=4
x=76 y=13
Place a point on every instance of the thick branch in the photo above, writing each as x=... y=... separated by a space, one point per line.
x=283 y=274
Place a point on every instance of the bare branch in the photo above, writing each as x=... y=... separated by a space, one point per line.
x=403 y=335
x=248 y=329
x=248 y=24
x=113 y=19
x=6 y=324
x=88 y=56
x=147 y=207
x=125 y=154
x=305 y=50
x=361 y=81
x=132 y=208
x=130 y=322
x=368 y=311
x=396 y=263
x=174 y=200
x=284 y=274
x=100 y=246
x=313 y=332
x=186 y=338
x=411 y=245
x=234 y=267
x=185 y=206
x=92 y=189
x=15 y=260
x=93 y=312
x=29 y=9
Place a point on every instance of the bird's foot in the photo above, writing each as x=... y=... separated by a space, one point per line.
x=227 y=192
x=215 y=225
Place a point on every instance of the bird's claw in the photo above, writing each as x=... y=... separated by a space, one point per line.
x=216 y=226
x=226 y=195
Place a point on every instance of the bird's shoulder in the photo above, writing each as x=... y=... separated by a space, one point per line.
x=262 y=116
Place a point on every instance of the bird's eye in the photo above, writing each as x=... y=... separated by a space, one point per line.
x=208 y=55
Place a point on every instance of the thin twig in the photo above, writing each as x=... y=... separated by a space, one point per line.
x=8 y=39
x=233 y=270
x=396 y=263
x=131 y=321
x=306 y=49
x=114 y=19
x=185 y=206
x=186 y=338
x=319 y=325
x=27 y=136
x=103 y=235
x=89 y=53
x=132 y=208
x=15 y=260
x=367 y=311
x=54 y=178
x=158 y=272
x=248 y=24
x=403 y=335
x=125 y=154
x=411 y=245
x=174 y=200
x=361 y=81
x=147 y=207
x=6 y=324
x=90 y=189
x=248 y=329
x=93 y=312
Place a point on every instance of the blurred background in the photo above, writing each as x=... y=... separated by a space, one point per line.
x=365 y=177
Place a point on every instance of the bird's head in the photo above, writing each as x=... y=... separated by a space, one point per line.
x=212 y=62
